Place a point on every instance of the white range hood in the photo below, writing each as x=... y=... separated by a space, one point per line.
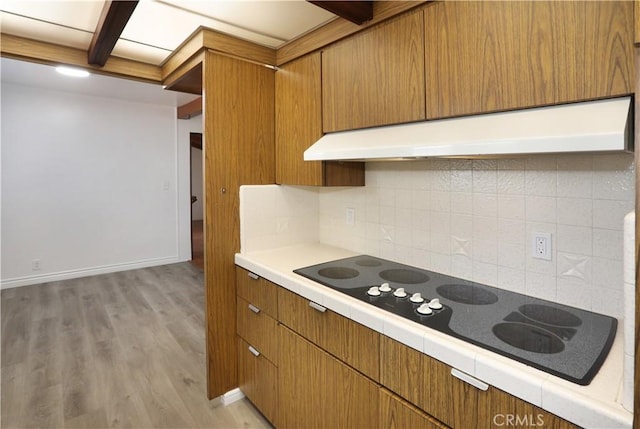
x=595 y=126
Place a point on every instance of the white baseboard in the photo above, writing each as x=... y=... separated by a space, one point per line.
x=232 y=396
x=85 y=272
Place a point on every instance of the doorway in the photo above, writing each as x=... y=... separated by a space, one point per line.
x=197 y=208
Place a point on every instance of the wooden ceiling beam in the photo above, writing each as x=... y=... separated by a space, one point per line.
x=357 y=12
x=190 y=109
x=114 y=17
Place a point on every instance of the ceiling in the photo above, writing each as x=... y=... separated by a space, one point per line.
x=158 y=27
x=46 y=77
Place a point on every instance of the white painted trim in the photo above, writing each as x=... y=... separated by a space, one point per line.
x=232 y=396
x=85 y=272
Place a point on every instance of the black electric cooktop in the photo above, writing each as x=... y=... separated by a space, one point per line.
x=564 y=341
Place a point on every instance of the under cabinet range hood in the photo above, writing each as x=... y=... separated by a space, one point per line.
x=595 y=126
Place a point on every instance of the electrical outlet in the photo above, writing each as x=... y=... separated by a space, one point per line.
x=350 y=216
x=35 y=265
x=542 y=245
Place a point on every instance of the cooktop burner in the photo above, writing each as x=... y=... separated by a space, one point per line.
x=565 y=341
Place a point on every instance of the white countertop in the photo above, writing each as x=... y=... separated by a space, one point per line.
x=597 y=405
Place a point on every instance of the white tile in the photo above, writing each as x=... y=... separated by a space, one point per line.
x=511 y=255
x=368 y=316
x=461 y=245
x=485 y=181
x=511 y=279
x=420 y=240
x=404 y=199
x=461 y=266
x=540 y=286
x=629 y=317
x=441 y=175
x=440 y=263
x=421 y=220
x=486 y=273
x=607 y=273
x=462 y=202
x=421 y=199
x=575 y=211
x=409 y=334
x=511 y=182
x=575 y=176
x=441 y=243
x=511 y=207
x=572 y=266
x=421 y=258
x=512 y=231
x=608 y=301
x=608 y=244
x=628 y=392
x=510 y=164
x=504 y=373
x=462 y=225
x=485 y=205
x=485 y=228
x=574 y=239
x=541 y=176
x=486 y=251
x=402 y=217
x=440 y=201
x=614 y=177
x=404 y=236
x=451 y=351
x=440 y=223
x=610 y=214
x=461 y=179
x=574 y=292
x=579 y=409
x=541 y=209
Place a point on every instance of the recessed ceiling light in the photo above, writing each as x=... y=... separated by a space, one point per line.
x=70 y=71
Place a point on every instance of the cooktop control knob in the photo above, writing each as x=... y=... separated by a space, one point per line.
x=384 y=287
x=424 y=309
x=435 y=304
x=373 y=291
x=400 y=293
x=417 y=298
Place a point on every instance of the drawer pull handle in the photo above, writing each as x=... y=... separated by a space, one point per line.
x=254 y=352
x=253 y=275
x=469 y=379
x=254 y=308
x=318 y=307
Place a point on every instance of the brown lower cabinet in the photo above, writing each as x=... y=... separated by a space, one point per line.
x=319 y=391
x=304 y=366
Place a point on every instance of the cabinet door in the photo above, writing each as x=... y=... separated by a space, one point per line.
x=375 y=77
x=258 y=380
x=318 y=391
x=349 y=341
x=398 y=414
x=492 y=56
x=299 y=125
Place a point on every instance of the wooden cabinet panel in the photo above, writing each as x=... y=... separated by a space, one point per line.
x=258 y=291
x=349 y=341
x=375 y=77
x=318 y=391
x=396 y=413
x=492 y=56
x=428 y=384
x=299 y=125
x=258 y=329
x=258 y=380
x=236 y=93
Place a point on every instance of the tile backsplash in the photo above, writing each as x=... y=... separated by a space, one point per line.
x=475 y=219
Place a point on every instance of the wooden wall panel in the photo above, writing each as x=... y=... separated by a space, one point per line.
x=239 y=149
x=491 y=56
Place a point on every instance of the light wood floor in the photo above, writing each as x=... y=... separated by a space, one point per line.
x=116 y=350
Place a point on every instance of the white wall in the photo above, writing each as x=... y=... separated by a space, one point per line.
x=475 y=219
x=89 y=185
x=197 y=209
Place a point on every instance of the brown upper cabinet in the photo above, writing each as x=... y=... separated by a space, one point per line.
x=492 y=56
x=375 y=77
x=299 y=125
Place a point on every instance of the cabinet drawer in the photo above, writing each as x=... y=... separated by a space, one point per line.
x=397 y=413
x=354 y=344
x=258 y=329
x=258 y=380
x=429 y=384
x=258 y=291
